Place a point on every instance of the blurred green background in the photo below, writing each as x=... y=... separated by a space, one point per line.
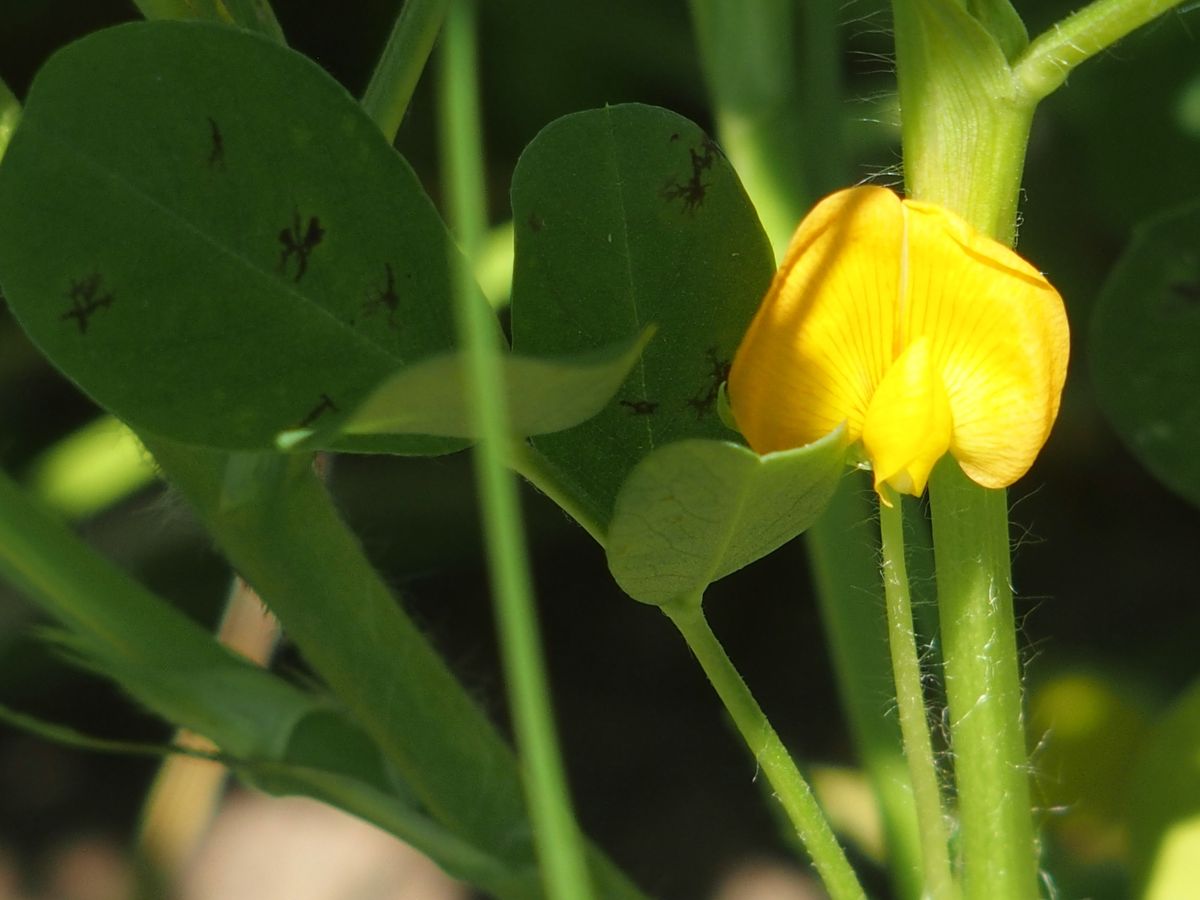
x=1108 y=601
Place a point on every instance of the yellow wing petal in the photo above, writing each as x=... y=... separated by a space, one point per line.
x=824 y=335
x=998 y=335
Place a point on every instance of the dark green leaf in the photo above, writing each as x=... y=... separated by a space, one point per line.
x=1145 y=349
x=204 y=230
x=544 y=395
x=694 y=511
x=628 y=216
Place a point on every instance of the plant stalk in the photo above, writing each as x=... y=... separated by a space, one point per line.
x=399 y=68
x=557 y=838
x=789 y=785
x=910 y=699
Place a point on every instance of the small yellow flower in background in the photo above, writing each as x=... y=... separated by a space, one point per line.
x=920 y=333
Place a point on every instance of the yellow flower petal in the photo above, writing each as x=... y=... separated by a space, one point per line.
x=919 y=332
x=908 y=424
x=998 y=333
x=824 y=335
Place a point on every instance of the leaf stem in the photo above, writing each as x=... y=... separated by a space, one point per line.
x=910 y=699
x=983 y=686
x=789 y=785
x=531 y=465
x=558 y=840
x=399 y=68
x=1047 y=62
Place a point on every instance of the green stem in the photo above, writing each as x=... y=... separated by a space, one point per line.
x=789 y=785
x=10 y=115
x=531 y=465
x=910 y=700
x=749 y=59
x=253 y=15
x=399 y=68
x=983 y=686
x=842 y=548
x=1047 y=62
x=557 y=837
x=459 y=118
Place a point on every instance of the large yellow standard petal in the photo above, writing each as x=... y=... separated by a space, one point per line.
x=898 y=318
x=824 y=335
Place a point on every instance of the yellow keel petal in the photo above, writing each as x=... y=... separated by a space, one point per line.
x=908 y=424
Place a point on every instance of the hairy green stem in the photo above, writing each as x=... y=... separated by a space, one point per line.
x=910 y=700
x=399 y=68
x=789 y=785
x=983 y=686
x=559 y=842
x=1047 y=62
x=842 y=548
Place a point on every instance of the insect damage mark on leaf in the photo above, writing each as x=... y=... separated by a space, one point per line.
x=534 y=222
x=640 y=407
x=216 y=153
x=86 y=299
x=324 y=406
x=695 y=188
x=717 y=375
x=384 y=298
x=300 y=243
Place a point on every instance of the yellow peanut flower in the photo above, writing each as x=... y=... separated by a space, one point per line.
x=920 y=333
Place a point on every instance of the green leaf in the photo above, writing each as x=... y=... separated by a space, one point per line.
x=544 y=395
x=1165 y=801
x=627 y=216
x=1145 y=349
x=204 y=230
x=695 y=511
x=286 y=539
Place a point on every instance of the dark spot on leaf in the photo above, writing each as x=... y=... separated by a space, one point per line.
x=673 y=138
x=640 y=407
x=693 y=190
x=385 y=297
x=718 y=373
x=326 y=405
x=299 y=242
x=216 y=153
x=86 y=298
x=535 y=222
